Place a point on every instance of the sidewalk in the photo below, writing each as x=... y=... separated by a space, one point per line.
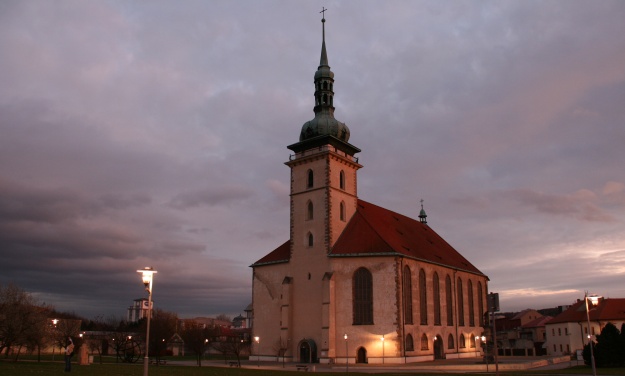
x=508 y=363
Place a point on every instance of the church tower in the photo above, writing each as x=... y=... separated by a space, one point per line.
x=323 y=172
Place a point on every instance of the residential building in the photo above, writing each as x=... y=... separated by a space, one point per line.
x=568 y=332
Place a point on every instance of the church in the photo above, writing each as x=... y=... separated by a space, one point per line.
x=355 y=282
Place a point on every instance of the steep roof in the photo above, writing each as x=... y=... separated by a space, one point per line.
x=537 y=323
x=375 y=231
x=606 y=310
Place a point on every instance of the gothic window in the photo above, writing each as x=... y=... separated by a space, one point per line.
x=309 y=210
x=470 y=295
x=363 y=297
x=342 y=211
x=342 y=180
x=311 y=239
x=437 y=299
x=423 y=304
x=472 y=341
x=424 y=342
x=407 y=295
x=450 y=342
x=409 y=343
x=460 y=303
x=311 y=179
x=461 y=342
x=480 y=303
x=448 y=301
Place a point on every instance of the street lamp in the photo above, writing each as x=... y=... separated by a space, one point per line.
x=346 y=354
x=146 y=277
x=594 y=299
x=257 y=339
x=382 y=339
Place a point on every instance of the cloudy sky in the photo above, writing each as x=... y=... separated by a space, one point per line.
x=155 y=133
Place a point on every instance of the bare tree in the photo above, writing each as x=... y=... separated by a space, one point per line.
x=21 y=319
x=198 y=338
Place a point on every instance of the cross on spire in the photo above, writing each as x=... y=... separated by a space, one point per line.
x=323 y=11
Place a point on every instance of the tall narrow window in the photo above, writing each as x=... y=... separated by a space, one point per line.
x=362 y=297
x=472 y=340
x=311 y=179
x=423 y=303
x=342 y=211
x=409 y=343
x=437 y=299
x=407 y=295
x=309 y=210
x=462 y=342
x=460 y=303
x=311 y=239
x=480 y=303
x=342 y=180
x=450 y=342
x=424 y=342
x=470 y=295
x=449 y=301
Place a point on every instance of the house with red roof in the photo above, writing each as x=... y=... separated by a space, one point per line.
x=569 y=331
x=355 y=282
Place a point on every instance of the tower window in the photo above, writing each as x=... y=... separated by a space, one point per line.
x=342 y=211
x=311 y=239
x=325 y=85
x=311 y=179
x=362 y=290
x=309 y=211
x=342 y=180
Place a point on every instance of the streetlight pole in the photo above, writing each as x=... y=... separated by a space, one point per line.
x=146 y=276
x=257 y=339
x=382 y=339
x=594 y=299
x=346 y=354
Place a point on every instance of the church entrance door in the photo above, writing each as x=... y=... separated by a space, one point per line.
x=308 y=351
x=362 y=355
x=439 y=353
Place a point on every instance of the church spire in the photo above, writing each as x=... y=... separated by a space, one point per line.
x=324 y=123
x=422 y=215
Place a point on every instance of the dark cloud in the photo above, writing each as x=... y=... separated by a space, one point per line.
x=155 y=134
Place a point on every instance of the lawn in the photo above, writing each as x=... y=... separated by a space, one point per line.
x=27 y=368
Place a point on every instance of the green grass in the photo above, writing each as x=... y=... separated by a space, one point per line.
x=28 y=368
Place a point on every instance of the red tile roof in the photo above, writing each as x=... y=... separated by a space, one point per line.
x=375 y=231
x=539 y=322
x=606 y=310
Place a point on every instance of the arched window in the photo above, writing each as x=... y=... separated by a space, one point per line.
x=470 y=294
x=437 y=299
x=311 y=239
x=407 y=295
x=342 y=211
x=342 y=180
x=462 y=342
x=448 y=302
x=309 y=210
x=480 y=303
x=423 y=303
x=409 y=343
x=362 y=297
x=450 y=342
x=424 y=342
x=472 y=340
x=460 y=303
x=311 y=179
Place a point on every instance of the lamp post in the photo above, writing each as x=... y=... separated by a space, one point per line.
x=54 y=322
x=382 y=339
x=257 y=339
x=485 y=346
x=594 y=299
x=346 y=354
x=146 y=276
